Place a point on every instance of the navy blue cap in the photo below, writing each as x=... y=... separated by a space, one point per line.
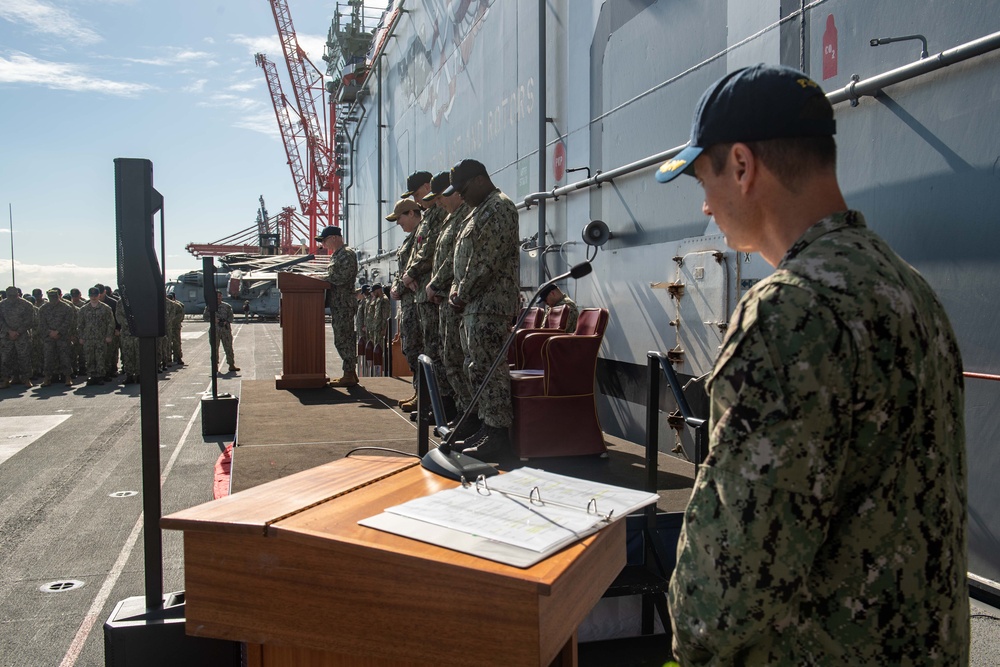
x=414 y=181
x=462 y=173
x=751 y=104
x=328 y=232
x=439 y=184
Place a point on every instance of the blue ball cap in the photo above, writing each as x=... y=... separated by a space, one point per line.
x=753 y=104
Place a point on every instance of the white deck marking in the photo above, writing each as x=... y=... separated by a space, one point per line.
x=16 y=433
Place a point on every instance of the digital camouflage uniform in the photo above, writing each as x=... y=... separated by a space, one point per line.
x=419 y=268
x=224 y=317
x=377 y=320
x=79 y=359
x=94 y=324
x=37 y=345
x=19 y=317
x=58 y=316
x=129 y=344
x=360 y=317
x=175 y=320
x=111 y=355
x=342 y=273
x=450 y=322
x=828 y=523
x=573 y=312
x=487 y=274
x=411 y=337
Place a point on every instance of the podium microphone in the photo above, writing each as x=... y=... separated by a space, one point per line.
x=454 y=465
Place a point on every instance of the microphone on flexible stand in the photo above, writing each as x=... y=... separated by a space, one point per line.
x=455 y=465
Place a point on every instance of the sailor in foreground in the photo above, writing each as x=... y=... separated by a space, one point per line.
x=828 y=523
x=341 y=273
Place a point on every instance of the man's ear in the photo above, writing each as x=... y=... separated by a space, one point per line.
x=745 y=166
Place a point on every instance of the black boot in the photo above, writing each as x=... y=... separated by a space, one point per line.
x=487 y=444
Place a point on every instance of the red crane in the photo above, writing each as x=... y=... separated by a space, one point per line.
x=322 y=203
x=289 y=226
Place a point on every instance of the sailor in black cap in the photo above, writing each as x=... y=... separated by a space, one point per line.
x=342 y=273
x=485 y=291
x=828 y=524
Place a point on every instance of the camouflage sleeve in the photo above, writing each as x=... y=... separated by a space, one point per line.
x=343 y=269
x=422 y=259
x=109 y=322
x=403 y=258
x=761 y=504
x=495 y=234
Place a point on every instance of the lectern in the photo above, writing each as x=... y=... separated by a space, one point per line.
x=286 y=568
x=303 y=334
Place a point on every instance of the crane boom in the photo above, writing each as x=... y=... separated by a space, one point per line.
x=289 y=135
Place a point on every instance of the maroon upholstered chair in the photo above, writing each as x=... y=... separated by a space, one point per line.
x=555 y=411
x=532 y=320
x=554 y=322
x=556 y=318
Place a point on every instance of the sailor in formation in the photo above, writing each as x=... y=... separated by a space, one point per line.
x=17 y=317
x=56 y=324
x=406 y=213
x=96 y=329
x=438 y=288
x=224 y=330
x=485 y=292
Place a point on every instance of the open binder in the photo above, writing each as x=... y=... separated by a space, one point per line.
x=518 y=518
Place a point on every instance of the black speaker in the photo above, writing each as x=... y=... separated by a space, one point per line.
x=139 y=279
x=208 y=279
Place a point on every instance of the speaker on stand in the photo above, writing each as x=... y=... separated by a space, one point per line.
x=149 y=630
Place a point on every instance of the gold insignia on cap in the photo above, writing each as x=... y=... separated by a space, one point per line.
x=804 y=82
x=672 y=165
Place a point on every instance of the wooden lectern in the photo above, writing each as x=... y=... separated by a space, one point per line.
x=303 y=333
x=286 y=568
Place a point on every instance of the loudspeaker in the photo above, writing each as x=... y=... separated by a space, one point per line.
x=596 y=233
x=208 y=280
x=139 y=279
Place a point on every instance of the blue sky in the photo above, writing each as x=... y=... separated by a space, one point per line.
x=85 y=81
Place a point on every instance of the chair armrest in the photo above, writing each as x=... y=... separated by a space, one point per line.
x=529 y=350
x=570 y=364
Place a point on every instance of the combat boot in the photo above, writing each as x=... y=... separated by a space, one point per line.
x=69 y=380
x=411 y=399
x=46 y=381
x=410 y=405
x=349 y=379
x=233 y=368
x=487 y=444
x=4 y=384
x=27 y=382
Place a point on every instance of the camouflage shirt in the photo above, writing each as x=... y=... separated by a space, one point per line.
x=828 y=523
x=94 y=323
x=377 y=317
x=572 y=312
x=342 y=273
x=17 y=314
x=403 y=259
x=57 y=316
x=422 y=258
x=444 y=254
x=487 y=268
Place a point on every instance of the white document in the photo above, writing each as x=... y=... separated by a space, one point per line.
x=522 y=512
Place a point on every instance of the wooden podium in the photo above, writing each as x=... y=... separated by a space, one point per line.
x=286 y=568
x=303 y=333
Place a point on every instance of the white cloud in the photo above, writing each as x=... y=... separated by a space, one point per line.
x=271 y=46
x=196 y=87
x=228 y=101
x=44 y=18
x=178 y=56
x=64 y=276
x=246 y=85
x=262 y=122
x=22 y=68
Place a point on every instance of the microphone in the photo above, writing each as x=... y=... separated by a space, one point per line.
x=454 y=465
